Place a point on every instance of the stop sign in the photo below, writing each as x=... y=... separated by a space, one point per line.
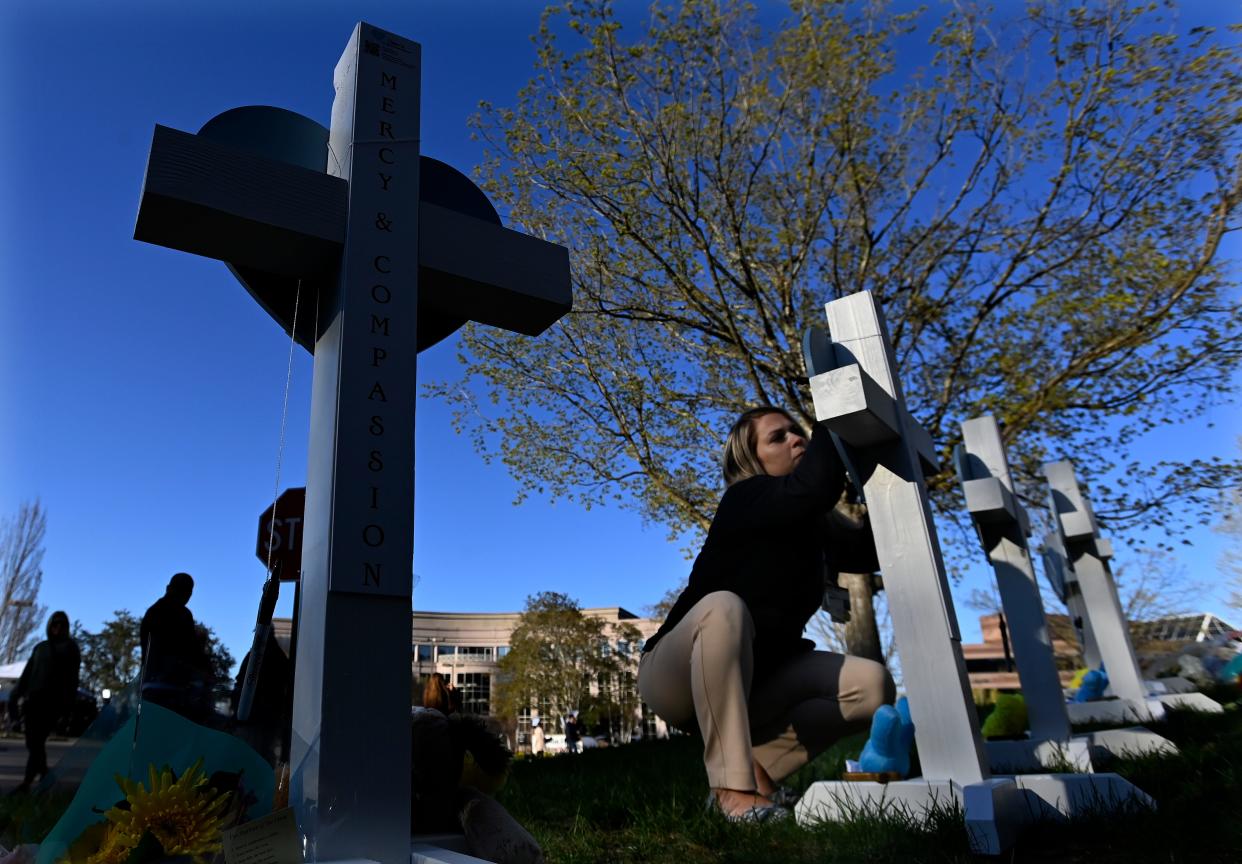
x=285 y=535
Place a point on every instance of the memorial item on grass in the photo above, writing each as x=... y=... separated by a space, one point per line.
x=161 y=788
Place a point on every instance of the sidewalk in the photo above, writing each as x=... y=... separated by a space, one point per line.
x=13 y=763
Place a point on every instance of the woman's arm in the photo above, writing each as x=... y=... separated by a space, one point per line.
x=850 y=543
x=814 y=485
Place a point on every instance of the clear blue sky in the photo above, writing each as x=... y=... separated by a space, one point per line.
x=141 y=388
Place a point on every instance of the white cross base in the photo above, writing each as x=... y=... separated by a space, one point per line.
x=995 y=809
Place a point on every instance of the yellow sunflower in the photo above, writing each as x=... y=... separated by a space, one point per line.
x=185 y=815
x=98 y=844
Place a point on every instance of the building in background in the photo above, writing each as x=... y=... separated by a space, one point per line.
x=1175 y=632
x=465 y=647
x=990 y=664
x=1157 y=644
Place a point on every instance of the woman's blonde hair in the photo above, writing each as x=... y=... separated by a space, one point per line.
x=741 y=459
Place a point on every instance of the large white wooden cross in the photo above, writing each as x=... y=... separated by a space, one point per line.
x=1095 y=598
x=857 y=394
x=854 y=384
x=1003 y=527
x=1088 y=554
x=394 y=270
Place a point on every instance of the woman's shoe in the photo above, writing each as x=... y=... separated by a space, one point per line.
x=784 y=797
x=763 y=813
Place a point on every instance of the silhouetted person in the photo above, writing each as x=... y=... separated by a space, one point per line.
x=49 y=685
x=573 y=733
x=172 y=654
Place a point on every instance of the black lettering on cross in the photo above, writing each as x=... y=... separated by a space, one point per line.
x=255 y=188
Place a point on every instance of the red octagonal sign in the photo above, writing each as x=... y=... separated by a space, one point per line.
x=285 y=537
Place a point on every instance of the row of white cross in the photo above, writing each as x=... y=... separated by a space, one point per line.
x=399 y=250
x=854 y=385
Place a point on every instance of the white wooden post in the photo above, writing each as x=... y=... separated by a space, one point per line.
x=861 y=400
x=857 y=394
x=1088 y=554
x=393 y=269
x=1003 y=526
x=1060 y=576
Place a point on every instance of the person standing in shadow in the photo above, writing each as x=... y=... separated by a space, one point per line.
x=573 y=732
x=171 y=650
x=48 y=686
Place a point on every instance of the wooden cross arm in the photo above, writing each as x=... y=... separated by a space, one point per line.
x=854 y=406
x=222 y=202
x=492 y=274
x=257 y=213
x=988 y=500
x=983 y=470
x=1070 y=509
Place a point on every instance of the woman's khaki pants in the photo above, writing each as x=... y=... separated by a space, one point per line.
x=700 y=672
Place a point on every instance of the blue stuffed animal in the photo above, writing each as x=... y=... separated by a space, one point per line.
x=888 y=748
x=1092 y=687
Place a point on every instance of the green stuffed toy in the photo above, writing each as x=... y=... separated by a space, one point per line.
x=1008 y=719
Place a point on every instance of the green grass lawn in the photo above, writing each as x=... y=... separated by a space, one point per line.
x=645 y=803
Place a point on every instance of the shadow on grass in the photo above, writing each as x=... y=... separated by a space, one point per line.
x=645 y=803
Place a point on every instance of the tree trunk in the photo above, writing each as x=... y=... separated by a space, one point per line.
x=862 y=636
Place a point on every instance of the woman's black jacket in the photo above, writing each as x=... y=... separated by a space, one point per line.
x=771 y=543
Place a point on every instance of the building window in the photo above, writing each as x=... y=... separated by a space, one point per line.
x=502 y=651
x=446 y=650
x=475 y=652
x=476 y=692
x=424 y=654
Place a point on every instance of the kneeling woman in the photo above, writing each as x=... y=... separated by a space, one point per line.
x=731 y=657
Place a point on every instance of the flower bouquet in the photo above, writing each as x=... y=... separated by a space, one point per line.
x=208 y=781
x=171 y=817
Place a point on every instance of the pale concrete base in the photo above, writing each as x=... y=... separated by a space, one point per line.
x=1006 y=757
x=1075 y=755
x=430 y=849
x=1061 y=796
x=1115 y=711
x=1136 y=711
x=995 y=809
x=1175 y=684
x=1134 y=741
x=1193 y=701
x=441 y=849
